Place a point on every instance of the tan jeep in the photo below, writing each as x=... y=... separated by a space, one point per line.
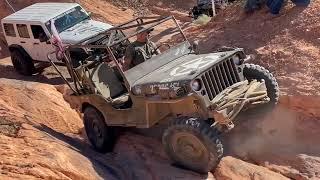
x=199 y=94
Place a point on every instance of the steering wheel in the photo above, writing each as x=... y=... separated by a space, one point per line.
x=164 y=44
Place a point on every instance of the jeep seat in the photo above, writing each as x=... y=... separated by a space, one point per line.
x=119 y=101
x=106 y=82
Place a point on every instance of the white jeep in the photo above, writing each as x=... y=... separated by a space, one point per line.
x=28 y=32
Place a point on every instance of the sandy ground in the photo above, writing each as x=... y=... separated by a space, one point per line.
x=288 y=44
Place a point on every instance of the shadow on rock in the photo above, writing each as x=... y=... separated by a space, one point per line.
x=8 y=72
x=134 y=157
x=103 y=165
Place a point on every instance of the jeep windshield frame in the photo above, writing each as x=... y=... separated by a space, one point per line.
x=140 y=21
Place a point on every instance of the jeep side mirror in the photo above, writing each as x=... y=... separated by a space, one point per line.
x=195 y=47
x=89 y=13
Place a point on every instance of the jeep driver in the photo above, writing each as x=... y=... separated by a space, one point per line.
x=140 y=50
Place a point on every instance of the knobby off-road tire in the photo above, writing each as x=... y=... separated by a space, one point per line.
x=22 y=63
x=252 y=71
x=101 y=136
x=191 y=143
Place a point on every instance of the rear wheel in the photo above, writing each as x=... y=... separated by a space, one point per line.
x=22 y=64
x=101 y=136
x=193 y=144
x=252 y=71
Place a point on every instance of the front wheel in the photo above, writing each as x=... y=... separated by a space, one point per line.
x=252 y=71
x=191 y=143
x=101 y=136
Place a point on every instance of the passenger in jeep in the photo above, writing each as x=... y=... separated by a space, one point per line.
x=140 y=50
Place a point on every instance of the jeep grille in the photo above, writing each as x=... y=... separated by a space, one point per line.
x=219 y=77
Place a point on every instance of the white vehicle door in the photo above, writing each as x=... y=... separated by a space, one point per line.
x=10 y=33
x=41 y=48
x=25 y=39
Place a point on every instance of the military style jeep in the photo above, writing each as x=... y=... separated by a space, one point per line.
x=27 y=32
x=200 y=95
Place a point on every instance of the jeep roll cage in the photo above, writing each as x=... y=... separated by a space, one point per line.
x=152 y=21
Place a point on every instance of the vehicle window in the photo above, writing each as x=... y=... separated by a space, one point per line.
x=203 y=1
x=9 y=30
x=37 y=31
x=70 y=18
x=23 y=30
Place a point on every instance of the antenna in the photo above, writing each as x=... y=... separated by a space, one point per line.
x=7 y=1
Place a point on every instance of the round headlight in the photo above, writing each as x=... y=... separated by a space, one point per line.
x=236 y=59
x=196 y=85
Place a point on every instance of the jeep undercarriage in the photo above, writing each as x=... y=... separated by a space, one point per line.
x=179 y=85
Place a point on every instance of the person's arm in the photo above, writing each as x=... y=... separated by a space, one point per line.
x=157 y=52
x=129 y=55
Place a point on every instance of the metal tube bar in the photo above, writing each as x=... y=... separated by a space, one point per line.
x=175 y=21
x=126 y=37
x=56 y=68
x=119 y=68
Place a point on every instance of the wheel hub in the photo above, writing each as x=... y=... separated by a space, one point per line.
x=189 y=148
x=96 y=130
x=96 y=133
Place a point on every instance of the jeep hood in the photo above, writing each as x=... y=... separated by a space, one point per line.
x=182 y=69
x=83 y=31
